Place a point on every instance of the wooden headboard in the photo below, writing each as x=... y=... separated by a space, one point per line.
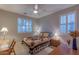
x=44 y=34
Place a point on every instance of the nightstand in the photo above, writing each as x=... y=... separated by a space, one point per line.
x=54 y=42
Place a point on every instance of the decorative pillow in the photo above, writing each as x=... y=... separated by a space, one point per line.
x=45 y=38
x=25 y=39
x=46 y=34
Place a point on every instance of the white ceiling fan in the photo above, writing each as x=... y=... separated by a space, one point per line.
x=35 y=9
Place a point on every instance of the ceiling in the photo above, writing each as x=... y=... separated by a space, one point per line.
x=27 y=9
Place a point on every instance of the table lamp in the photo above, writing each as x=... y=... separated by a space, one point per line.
x=4 y=30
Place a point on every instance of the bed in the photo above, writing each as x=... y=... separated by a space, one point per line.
x=36 y=45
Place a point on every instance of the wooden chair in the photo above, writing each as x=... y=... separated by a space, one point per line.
x=10 y=50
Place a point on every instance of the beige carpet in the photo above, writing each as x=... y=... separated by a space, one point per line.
x=22 y=49
x=45 y=51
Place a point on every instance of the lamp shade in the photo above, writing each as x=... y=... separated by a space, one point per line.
x=4 y=29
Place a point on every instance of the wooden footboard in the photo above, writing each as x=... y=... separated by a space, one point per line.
x=38 y=47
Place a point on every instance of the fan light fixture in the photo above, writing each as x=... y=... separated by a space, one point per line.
x=35 y=11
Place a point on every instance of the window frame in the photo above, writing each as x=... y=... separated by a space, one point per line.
x=66 y=14
x=23 y=18
x=62 y=24
x=70 y=22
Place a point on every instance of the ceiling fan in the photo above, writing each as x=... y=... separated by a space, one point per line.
x=35 y=9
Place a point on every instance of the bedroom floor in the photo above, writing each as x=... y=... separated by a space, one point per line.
x=22 y=49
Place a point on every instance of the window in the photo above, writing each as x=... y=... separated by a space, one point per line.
x=67 y=23
x=63 y=24
x=24 y=25
x=71 y=22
